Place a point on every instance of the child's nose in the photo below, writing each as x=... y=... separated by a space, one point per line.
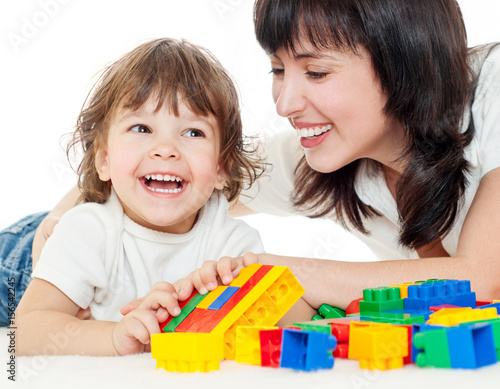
x=165 y=150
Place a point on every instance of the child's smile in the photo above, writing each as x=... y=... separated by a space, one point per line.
x=164 y=183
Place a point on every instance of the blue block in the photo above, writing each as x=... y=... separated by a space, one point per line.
x=461 y=347
x=305 y=350
x=223 y=298
x=484 y=344
x=429 y=294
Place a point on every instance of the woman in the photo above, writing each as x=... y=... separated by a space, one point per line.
x=399 y=140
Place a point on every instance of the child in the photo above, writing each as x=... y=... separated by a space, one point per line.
x=160 y=131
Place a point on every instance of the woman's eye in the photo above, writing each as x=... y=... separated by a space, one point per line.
x=316 y=75
x=193 y=133
x=141 y=129
x=277 y=72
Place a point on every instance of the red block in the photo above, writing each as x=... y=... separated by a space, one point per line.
x=270 y=347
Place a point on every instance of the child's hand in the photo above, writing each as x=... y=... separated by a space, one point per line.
x=161 y=292
x=213 y=273
x=132 y=334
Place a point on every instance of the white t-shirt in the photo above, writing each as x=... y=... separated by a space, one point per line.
x=100 y=258
x=271 y=194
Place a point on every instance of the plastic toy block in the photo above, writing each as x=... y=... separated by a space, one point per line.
x=455 y=316
x=392 y=318
x=380 y=299
x=211 y=297
x=480 y=303
x=242 y=294
x=341 y=333
x=408 y=359
x=183 y=352
x=301 y=350
x=248 y=344
x=314 y=327
x=263 y=305
x=438 y=307
x=182 y=304
x=492 y=305
x=353 y=307
x=195 y=321
x=471 y=346
x=329 y=312
x=432 y=349
x=415 y=329
x=317 y=317
x=223 y=298
x=495 y=325
x=423 y=313
x=378 y=345
x=185 y=311
x=270 y=347
x=403 y=288
x=436 y=293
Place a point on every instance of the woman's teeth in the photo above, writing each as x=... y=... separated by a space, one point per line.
x=313 y=131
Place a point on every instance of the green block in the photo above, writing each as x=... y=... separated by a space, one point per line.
x=392 y=318
x=433 y=349
x=329 y=312
x=308 y=326
x=381 y=299
x=317 y=317
x=186 y=310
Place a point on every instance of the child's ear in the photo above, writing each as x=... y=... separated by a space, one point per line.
x=102 y=164
x=221 y=177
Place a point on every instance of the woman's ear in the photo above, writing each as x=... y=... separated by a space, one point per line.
x=220 y=183
x=102 y=164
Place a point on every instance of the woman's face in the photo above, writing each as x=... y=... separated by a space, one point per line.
x=334 y=100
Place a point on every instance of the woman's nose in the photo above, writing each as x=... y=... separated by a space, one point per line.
x=289 y=97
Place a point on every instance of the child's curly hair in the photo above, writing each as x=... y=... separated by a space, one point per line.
x=164 y=70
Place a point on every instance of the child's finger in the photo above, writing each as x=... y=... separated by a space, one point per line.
x=126 y=309
x=160 y=299
x=225 y=268
x=164 y=287
x=208 y=275
x=185 y=288
x=250 y=258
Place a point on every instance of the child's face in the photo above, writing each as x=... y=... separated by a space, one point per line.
x=162 y=167
x=335 y=101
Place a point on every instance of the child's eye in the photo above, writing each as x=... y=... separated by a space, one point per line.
x=316 y=75
x=140 y=128
x=193 y=133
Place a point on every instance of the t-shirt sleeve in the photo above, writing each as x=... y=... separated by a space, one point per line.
x=72 y=259
x=486 y=113
x=271 y=193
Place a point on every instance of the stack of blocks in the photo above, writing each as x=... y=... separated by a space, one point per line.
x=259 y=296
x=433 y=324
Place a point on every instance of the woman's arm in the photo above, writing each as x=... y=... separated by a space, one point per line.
x=337 y=283
x=46 y=227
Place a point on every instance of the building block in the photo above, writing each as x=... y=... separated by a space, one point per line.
x=390 y=317
x=455 y=316
x=423 y=313
x=182 y=305
x=403 y=288
x=211 y=297
x=432 y=348
x=185 y=311
x=224 y=297
x=195 y=321
x=353 y=307
x=341 y=333
x=263 y=305
x=270 y=347
x=302 y=350
x=248 y=349
x=378 y=345
x=314 y=326
x=185 y=352
x=429 y=294
x=329 y=312
x=471 y=346
x=495 y=324
x=380 y=299
x=492 y=305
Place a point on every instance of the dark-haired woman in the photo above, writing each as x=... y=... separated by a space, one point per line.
x=395 y=133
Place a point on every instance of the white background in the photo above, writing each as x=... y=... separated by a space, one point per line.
x=51 y=49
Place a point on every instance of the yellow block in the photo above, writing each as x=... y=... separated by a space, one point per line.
x=211 y=297
x=248 y=344
x=455 y=316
